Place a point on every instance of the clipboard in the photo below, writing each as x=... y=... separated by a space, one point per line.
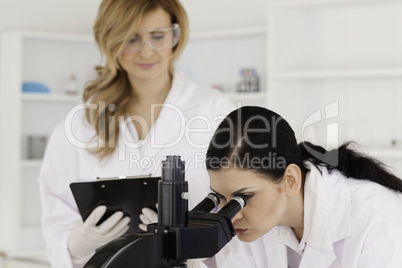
x=127 y=194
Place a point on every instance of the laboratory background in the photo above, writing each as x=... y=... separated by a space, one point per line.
x=332 y=68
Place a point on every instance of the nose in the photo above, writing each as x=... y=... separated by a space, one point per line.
x=237 y=217
x=146 y=50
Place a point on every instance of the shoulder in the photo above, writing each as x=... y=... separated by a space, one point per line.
x=369 y=201
x=377 y=202
x=193 y=96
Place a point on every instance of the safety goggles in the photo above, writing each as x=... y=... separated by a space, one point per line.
x=158 y=39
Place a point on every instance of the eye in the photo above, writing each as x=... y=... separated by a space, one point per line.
x=220 y=196
x=134 y=39
x=246 y=196
x=158 y=35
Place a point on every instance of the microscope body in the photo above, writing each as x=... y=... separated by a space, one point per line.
x=179 y=234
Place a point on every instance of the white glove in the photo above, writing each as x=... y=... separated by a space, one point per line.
x=86 y=237
x=148 y=216
x=196 y=263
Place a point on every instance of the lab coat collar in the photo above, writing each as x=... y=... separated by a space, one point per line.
x=317 y=232
x=275 y=255
x=181 y=91
x=334 y=188
x=316 y=258
x=172 y=113
x=338 y=190
x=273 y=251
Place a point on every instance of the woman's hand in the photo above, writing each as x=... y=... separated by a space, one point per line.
x=148 y=216
x=86 y=237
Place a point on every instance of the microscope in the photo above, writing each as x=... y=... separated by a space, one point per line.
x=179 y=234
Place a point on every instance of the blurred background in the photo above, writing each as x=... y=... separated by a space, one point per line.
x=333 y=68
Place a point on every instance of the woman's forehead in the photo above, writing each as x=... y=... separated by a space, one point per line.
x=234 y=179
x=155 y=19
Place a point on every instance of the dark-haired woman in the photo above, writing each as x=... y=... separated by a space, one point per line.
x=306 y=207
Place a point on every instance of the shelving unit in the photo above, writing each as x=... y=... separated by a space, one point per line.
x=345 y=55
x=216 y=57
x=48 y=58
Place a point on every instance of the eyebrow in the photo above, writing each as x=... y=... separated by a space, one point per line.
x=233 y=194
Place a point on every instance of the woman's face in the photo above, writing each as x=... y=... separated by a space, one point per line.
x=148 y=64
x=266 y=202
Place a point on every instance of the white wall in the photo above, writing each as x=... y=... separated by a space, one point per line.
x=212 y=14
x=54 y=15
x=77 y=16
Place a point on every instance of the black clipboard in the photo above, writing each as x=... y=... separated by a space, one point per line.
x=127 y=194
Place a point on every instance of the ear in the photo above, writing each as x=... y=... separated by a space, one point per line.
x=292 y=180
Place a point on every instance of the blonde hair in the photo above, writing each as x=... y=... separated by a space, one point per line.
x=116 y=23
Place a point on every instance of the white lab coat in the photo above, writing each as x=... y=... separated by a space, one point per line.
x=365 y=223
x=188 y=107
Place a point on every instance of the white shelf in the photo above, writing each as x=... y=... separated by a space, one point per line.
x=34 y=163
x=56 y=36
x=385 y=152
x=35 y=255
x=318 y=3
x=334 y=74
x=225 y=33
x=51 y=97
x=248 y=96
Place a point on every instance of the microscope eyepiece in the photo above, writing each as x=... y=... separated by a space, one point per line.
x=208 y=204
x=173 y=168
x=214 y=198
x=241 y=200
x=232 y=207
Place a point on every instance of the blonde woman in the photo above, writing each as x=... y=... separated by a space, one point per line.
x=137 y=111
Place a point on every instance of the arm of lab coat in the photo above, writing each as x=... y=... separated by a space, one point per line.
x=59 y=211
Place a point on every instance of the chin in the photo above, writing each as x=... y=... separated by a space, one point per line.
x=248 y=238
x=150 y=74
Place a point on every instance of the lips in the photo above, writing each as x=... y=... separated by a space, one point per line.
x=240 y=231
x=146 y=66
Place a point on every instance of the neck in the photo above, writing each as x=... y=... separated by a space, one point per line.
x=151 y=91
x=298 y=226
x=295 y=218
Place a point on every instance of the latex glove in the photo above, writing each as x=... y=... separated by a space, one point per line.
x=148 y=216
x=86 y=237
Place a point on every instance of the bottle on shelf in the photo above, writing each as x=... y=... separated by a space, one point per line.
x=249 y=80
x=72 y=87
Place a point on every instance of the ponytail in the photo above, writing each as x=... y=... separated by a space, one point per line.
x=351 y=164
x=255 y=133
